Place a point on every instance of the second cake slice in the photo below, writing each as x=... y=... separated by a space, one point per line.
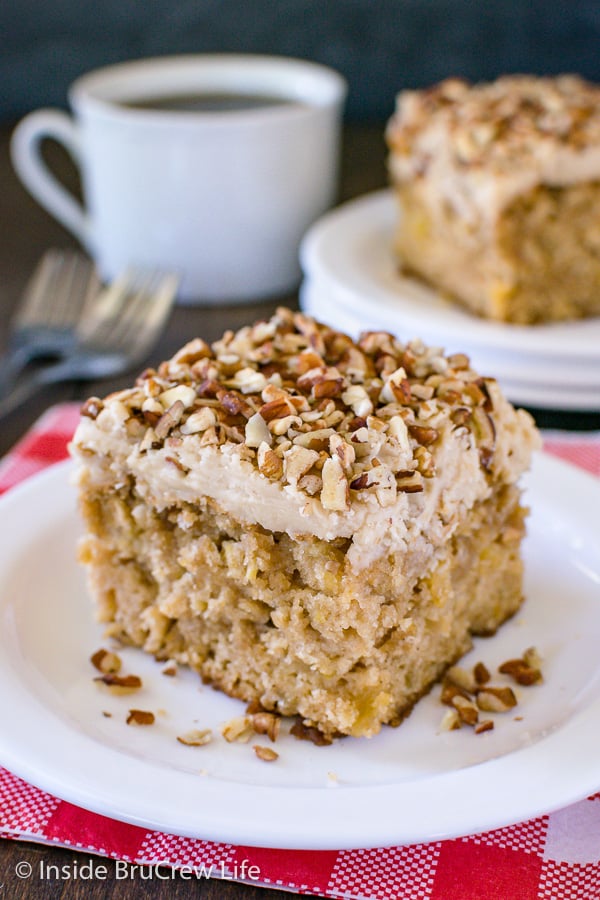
x=499 y=187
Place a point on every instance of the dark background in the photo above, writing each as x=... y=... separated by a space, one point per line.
x=379 y=45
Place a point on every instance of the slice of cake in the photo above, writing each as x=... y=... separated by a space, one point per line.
x=499 y=189
x=313 y=524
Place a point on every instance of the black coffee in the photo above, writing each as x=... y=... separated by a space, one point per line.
x=207 y=102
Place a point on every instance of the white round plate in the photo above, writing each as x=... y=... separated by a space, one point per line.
x=527 y=381
x=539 y=396
x=352 y=246
x=406 y=785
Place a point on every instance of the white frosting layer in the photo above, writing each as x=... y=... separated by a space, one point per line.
x=109 y=456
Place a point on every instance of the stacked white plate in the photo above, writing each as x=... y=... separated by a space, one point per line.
x=352 y=281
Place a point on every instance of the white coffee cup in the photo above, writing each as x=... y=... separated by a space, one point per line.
x=222 y=197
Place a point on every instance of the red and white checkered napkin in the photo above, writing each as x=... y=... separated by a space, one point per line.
x=555 y=856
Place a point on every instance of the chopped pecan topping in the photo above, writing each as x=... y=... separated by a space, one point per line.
x=92 y=408
x=496 y=129
x=423 y=435
x=257 y=431
x=335 y=492
x=298 y=462
x=360 y=483
x=234 y=403
x=410 y=484
x=199 y=421
x=169 y=420
x=276 y=409
x=329 y=387
x=269 y=463
x=341 y=421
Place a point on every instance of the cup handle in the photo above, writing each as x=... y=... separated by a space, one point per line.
x=29 y=164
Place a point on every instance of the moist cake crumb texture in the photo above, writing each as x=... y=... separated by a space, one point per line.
x=499 y=190
x=316 y=525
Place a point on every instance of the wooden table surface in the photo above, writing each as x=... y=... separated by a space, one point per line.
x=26 y=231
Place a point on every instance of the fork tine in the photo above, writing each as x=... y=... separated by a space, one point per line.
x=163 y=295
x=139 y=297
x=134 y=309
x=91 y=291
x=75 y=278
x=150 y=304
x=83 y=285
x=123 y=311
x=36 y=290
x=104 y=309
x=59 y=288
x=137 y=310
x=55 y=292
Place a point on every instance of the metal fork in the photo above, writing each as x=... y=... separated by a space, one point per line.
x=117 y=333
x=59 y=290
